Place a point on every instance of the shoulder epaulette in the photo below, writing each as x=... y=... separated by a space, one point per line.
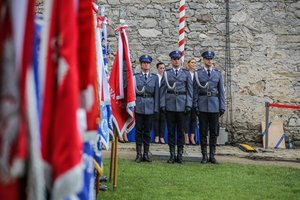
x=217 y=70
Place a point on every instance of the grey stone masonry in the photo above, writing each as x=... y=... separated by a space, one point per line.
x=265 y=52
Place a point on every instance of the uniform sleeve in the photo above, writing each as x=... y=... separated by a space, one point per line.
x=162 y=91
x=221 y=93
x=156 y=93
x=195 y=91
x=189 y=102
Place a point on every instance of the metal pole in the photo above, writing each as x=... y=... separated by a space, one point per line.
x=122 y=14
x=267 y=125
x=228 y=77
x=181 y=28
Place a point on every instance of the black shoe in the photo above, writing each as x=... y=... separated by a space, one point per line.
x=213 y=160
x=103 y=179
x=146 y=158
x=103 y=187
x=138 y=158
x=204 y=158
x=179 y=159
x=171 y=159
x=121 y=141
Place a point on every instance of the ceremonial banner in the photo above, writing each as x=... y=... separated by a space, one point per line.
x=61 y=141
x=104 y=95
x=16 y=42
x=88 y=191
x=105 y=101
x=88 y=115
x=122 y=88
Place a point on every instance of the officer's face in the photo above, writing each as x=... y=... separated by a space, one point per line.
x=161 y=68
x=176 y=62
x=208 y=62
x=145 y=66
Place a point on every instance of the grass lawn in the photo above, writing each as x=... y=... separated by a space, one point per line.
x=159 y=180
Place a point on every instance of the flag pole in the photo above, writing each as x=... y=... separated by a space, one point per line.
x=98 y=91
x=181 y=28
x=115 y=176
x=111 y=166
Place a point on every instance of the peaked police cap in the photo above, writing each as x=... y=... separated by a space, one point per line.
x=146 y=58
x=175 y=54
x=208 y=54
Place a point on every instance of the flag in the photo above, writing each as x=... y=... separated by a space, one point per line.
x=36 y=183
x=97 y=145
x=16 y=41
x=103 y=93
x=61 y=142
x=89 y=112
x=121 y=86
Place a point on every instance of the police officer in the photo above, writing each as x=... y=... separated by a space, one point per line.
x=176 y=100
x=209 y=103
x=147 y=103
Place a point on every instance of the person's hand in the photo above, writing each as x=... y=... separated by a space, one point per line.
x=187 y=110
x=222 y=111
x=163 y=109
x=197 y=111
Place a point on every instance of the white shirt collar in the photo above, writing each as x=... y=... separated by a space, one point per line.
x=178 y=69
x=211 y=68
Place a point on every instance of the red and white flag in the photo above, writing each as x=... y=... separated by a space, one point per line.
x=121 y=86
x=60 y=139
x=87 y=64
x=16 y=42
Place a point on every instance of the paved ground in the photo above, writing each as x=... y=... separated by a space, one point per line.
x=278 y=157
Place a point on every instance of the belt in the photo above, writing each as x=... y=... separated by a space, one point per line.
x=145 y=95
x=209 y=94
x=176 y=93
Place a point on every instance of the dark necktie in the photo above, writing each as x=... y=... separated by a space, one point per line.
x=145 y=75
x=176 y=72
x=208 y=72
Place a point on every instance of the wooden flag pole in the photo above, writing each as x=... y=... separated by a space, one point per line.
x=111 y=166
x=115 y=175
x=97 y=171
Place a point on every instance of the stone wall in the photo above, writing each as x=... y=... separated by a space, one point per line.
x=265 y=44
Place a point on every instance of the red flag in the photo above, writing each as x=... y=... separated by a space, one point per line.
x=61 y=141
x=122 y=88
x=87 y=63
x=15 y=57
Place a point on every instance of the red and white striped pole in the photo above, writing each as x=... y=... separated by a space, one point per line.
x=181 y=27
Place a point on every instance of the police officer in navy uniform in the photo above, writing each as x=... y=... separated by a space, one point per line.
x=147 y=103
x=209 y=103
x=176 y=101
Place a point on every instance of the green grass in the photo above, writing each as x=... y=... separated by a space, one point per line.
x=159 y=180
